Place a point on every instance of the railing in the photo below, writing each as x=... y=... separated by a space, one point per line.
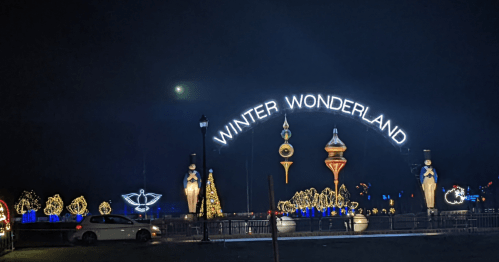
x=333 y=224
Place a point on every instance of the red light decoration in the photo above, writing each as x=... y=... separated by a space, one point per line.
x=7 y=219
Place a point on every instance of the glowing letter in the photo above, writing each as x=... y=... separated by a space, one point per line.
x=249 y=112
x=379 y=120
x=319 y=98
x=271 y=107
x=292 y=104
x=358 y=110
x=222 y=134
x=390 y=131
x=332 y=102
x=237 y=122
x=346 y=106
x=305 y=101
x=259 y=112
x=396 y=134
x=363 y=116
x=235 y=131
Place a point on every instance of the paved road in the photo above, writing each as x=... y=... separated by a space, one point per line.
x=418 y=248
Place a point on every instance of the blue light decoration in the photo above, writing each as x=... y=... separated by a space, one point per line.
x=297 y=211
x=313 y=211
x=79 y=218
x=53 y=218
x=400 y=195
x=141 y=201
x=328 y=211
x=388 y=196
x=308 y=212
x=473 y=198
x=384 y=197
x=29 y=217
x=346 y=210
x=443 y=189
x=368 y=197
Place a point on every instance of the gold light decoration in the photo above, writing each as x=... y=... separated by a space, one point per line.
x=286 y=150
x=78 y=206
x=392 y=211
x=391 y=202
x=375 y=211
x=335 y=160
x=311 y=199
x=105 y=208
x=213 y=205
x=383 y=211
x=27 y=201
x=54 y=206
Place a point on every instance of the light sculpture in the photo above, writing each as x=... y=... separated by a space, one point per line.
x=53 y=208
x=27 y=205
x=78 y=207
x=192 y=185
x=213 y=205
x=310 y=199
x=428 y=177
x=455 y=196
x=335 y=160
x=4 y=218
x=141 y=201
x=286 y=150
x=105 y=208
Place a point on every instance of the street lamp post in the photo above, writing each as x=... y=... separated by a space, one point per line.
x=203 y=123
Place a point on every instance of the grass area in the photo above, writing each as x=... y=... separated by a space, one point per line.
x=462 y=247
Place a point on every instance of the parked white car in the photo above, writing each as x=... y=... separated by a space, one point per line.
x=114 y=227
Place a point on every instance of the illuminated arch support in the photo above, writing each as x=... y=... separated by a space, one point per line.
x=331 y=103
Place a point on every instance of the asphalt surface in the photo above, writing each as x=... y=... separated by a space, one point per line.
x=476 y=247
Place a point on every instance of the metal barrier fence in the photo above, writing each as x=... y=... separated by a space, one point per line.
x=173 y=228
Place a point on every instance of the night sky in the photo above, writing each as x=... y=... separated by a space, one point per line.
x=88 y=91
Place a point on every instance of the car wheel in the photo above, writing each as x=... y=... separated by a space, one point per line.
x=143 y=235
x=89 y=238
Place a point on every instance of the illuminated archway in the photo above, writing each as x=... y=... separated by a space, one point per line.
x=329 y=103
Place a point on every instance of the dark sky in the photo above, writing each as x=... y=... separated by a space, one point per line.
x=88 y=90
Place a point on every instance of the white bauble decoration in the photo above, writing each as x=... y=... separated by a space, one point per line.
x=360 y=223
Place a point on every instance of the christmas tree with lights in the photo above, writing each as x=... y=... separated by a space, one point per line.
x=213 y=205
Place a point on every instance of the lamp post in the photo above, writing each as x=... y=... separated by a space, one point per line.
x=203 y=123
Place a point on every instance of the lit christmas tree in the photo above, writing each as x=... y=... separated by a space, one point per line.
x=213 y=204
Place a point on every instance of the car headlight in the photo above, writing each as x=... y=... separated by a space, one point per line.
x=155 y=228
